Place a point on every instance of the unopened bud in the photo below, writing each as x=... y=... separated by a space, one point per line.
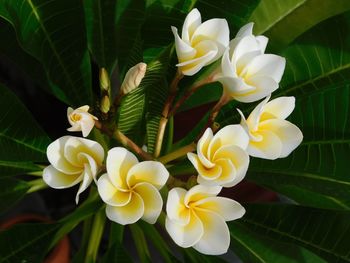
x=104 y=80
x=133 y=78
x=105 y=104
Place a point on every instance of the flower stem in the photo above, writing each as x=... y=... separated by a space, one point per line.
x=165 y=113
x=95 y=236
x=177 y=154
x=36 y=173
x=191 y=90
x=36 y=185
x=124 y=140
x=215 y=111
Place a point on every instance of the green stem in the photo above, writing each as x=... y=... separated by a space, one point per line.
x=177 y=154
x=165 y=113
x=36 y=185
x=95 y=236
x=170 y=137
x=37 y=173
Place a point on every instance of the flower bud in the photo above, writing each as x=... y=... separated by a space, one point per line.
x=105 y=104
x=104 y=80
x=133 y=78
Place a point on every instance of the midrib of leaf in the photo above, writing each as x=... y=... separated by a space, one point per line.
x=101 y=34
x=301 y=174
x=312 y=80
x=15 y=251
x=16 y=164
x=248 y=248
x=326 y=142
x=294 y=237
x=288 y=12
x=22 y=143
x=52 y=46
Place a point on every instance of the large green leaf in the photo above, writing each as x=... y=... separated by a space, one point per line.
x=53 y=32
x=252 y=247
x=316 y=74
x=24 y=62
x=21 y=138
x=10 y=168
x=31 y=242
x=12 y=190
x=324 y=232
x=291 y=18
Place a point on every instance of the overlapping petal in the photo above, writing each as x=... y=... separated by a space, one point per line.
x=247 y=74
x=73 y=160
x=131 y=189
x=200 y=43
x=196 y=218
x=221 y=158
x=271 y=136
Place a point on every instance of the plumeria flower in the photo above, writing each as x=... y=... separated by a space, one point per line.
x=73 y=160
x=221 y=159
x=247 y=74
x=81 y=120
x=200 y=43
x=271 y=136
x=133 y=78
x=196 y=218
x=131 y=188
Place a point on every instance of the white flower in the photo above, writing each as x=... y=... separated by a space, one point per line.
x=130 y=189
x=271 y=136
x=200 y=43
x=73 y=160
x=196 y=218
x=221 y=159
x=247 y=74
x=133 y=77
x=81 y=120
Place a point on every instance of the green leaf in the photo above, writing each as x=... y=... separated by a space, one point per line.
x=317 y=72
x=283 y=25
x=21 y=138
x=12 y=190
x=8 y=168
x=324 y=232
x=25 y=62
x=31 y=242
x=116 y=253
x=252 y=247
x=53 y=33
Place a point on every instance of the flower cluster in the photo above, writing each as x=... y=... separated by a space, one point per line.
x=195 y=217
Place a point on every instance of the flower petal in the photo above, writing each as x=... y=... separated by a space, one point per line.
x=246 y=30
x=264 y=87
x=207 y=173
x=228 y=69
x=279 y=108
x=214 y=29
x=246 y=45
x=175 y=206
x=227 y=208
x=199 y=192
x=151 y=172
x=289 y=134
x=191 y=67
x=254 y=117
x=202 y=148
x=87 y=179
x=270 y=147
x=127 y=214
x=192 y=21
x=263 y=43
x=119 y=162
x=229 y=135
x=216 y=237
x=56 y=156
x=187 y=235
x=58 y=180
x=267 y=65
x=87 y=124
x=183 y=50
x=235 y=87
x=110 y=194
x=152 y=201
x=240 y=160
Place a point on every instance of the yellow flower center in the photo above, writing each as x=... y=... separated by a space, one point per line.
x=75 y=117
